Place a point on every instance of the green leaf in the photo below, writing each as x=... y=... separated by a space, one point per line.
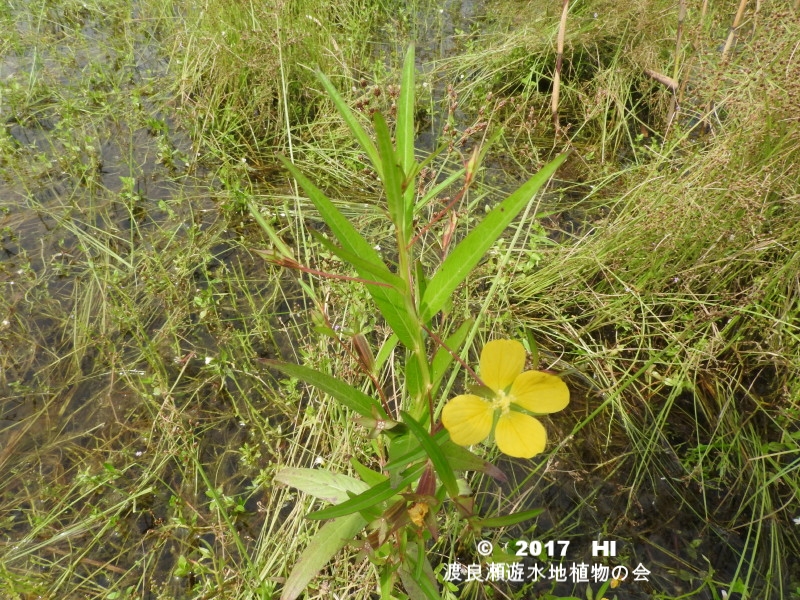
x=352 y=122
x=404 y=134
x=418 y=578
x=738 y=587
x=392 y=174
x=511 y=519
x=420 y=279
x=534 y=348
x=400 y=445
x=391 y=302
x=369 y=476
x=378 y=272
x=385 y=352
x=440 y=464
x=461 y=459
x=404 y=131
x=375 y=495
x=331 y=538
x=345 y=232
x=345 y=394
x=331 y=487
x=469 y=252
x=414 y=381
x=418 y=453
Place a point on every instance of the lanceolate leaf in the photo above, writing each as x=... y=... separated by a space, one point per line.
x=345 y=394
x=378 y=272
x=392 y=175
x=352 y=122
x=461 y=459
x=385 y=352
x=440 y=464
x=417 y=575
x=404 y=134
x=401 y=462
x=405 y=114
x=331 y=538
x=368 y=476
x=374 y=495
x=391 y=302
x=331 y=487
x=469 y=252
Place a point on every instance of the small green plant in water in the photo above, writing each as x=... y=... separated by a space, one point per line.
x=397 y=504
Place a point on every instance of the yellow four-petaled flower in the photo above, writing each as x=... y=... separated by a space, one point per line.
x=469 y=418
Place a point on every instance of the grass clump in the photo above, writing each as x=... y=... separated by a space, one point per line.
x=248 y=78
x=679 y=306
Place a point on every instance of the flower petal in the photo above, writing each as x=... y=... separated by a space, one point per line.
x=540 y=392
x=468 y=419
x=520 y=435
x=501 y=362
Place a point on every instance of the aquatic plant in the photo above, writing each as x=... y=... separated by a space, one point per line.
x=397 y=503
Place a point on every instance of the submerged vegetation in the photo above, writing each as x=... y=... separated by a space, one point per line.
x=142 y=421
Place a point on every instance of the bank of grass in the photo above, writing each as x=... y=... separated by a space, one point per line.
x=139 y=429
x=133 y=319
x=675 y=301
x=247 y=68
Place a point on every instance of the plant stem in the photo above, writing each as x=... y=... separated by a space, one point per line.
x=562 y=27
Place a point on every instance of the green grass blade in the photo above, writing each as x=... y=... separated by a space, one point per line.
x=331 y=538
x=391 y=303
x=345 y=394
x=439 y=460
x=443 y=359
x=352 y=122
x=273 y=236
x=469 y=252
x=417 y=167
x=511 y=519
x=438 y=189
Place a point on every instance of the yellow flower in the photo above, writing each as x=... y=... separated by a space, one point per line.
x=470 y=418
x=417 y=513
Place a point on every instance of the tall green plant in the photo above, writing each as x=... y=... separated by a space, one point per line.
x=398 y=504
